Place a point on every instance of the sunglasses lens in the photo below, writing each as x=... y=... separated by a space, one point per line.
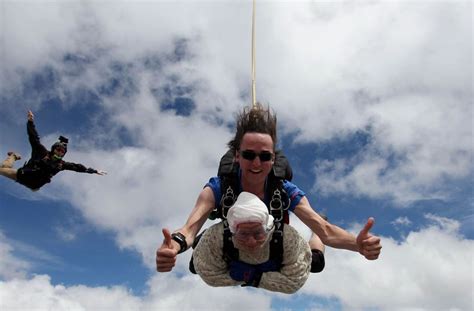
x=251 y=155
x=265 y=156
x=248 y=155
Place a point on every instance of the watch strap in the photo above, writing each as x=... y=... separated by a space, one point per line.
x=181 y=240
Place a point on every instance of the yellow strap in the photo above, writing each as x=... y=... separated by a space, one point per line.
x=254 y=96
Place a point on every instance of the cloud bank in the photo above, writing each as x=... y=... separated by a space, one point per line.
x=160 y=82
x=429 y=270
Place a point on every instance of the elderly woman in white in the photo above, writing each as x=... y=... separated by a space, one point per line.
x=252 y=227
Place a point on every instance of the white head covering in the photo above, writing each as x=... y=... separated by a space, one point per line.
x=248 y=208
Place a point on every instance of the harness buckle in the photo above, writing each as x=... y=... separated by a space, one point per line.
x=276 y=205
x=227 y=201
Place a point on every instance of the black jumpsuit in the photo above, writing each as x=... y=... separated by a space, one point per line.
x=39 y=170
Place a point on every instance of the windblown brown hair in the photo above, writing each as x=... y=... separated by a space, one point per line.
x=256 y=119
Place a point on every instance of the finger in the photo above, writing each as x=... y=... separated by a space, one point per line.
x=372 y=240
x=371 y=243
x=372 y=250
x=375 y=248
x=167 y=235
x=164 y=264
x=165 y=260
x=372 y=257
x=367 y=227
x=372 y=253
x=164 y=268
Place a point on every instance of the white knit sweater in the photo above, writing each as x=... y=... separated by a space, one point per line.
x=210 y=265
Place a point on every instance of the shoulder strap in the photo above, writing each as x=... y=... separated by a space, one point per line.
x=226 y=165
x=227 y=173
x=276 y=245
x=230 y=252
x=229 y=192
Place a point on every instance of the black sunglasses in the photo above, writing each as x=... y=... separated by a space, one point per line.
x=251 y=155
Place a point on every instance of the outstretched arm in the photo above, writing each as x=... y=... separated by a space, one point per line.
x=33 y=135
x=94 y=171
x=201 y=211
x=38 y=151
x=203 y=207
x=365 y=243
x=77 y=167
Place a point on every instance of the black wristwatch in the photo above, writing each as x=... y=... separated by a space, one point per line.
x=181 y=240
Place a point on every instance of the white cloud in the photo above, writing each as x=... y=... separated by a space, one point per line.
x=384 y=68
x=329 y=69
x=10 y=266
x=65 y=234
x=147 y=187
x=401 y=221
x=38 y=293
x=430 y=270
x=399 y=71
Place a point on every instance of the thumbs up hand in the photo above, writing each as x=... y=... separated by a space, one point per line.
x=369 y=245
x=166 y=254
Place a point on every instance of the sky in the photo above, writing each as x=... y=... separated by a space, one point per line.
x=374 y=107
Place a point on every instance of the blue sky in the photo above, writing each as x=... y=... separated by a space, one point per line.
x=374 y=104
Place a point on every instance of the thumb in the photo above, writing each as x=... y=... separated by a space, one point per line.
x=367 y=227
x=167 y=235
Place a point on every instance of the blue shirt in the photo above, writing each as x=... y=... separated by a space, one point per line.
x=294 y=193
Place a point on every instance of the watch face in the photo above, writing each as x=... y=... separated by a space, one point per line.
x=179 y=237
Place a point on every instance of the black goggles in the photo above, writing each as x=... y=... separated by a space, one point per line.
x=251 y=155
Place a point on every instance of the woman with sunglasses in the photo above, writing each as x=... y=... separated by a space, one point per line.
x=43 y=164
x=254 y=145
x=252 y=228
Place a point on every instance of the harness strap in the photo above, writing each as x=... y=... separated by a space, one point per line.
x=276 y=244
x=230 y=252
x=279 y=199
